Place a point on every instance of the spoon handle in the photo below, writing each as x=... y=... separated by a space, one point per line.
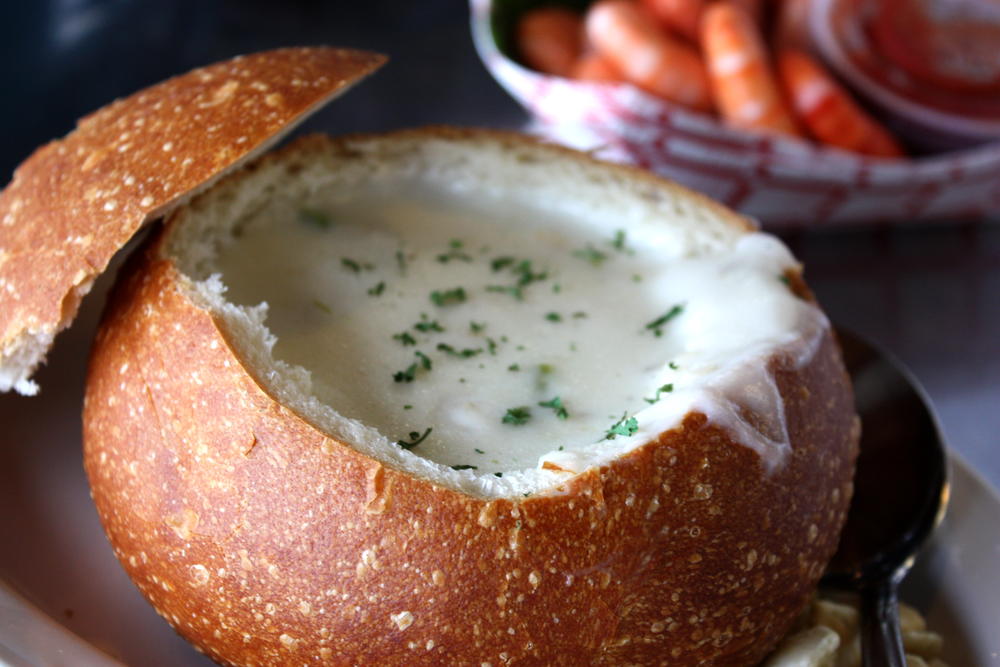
x=881 y=642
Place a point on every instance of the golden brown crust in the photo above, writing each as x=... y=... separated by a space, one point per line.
x=76 y=201
x=264 y=541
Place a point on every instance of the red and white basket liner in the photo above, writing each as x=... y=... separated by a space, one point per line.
x=781 y=182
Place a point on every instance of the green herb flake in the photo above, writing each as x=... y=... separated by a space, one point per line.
x=426 y=325
x=517 y=416
x=553 y=317
x=415 y=439
x=322 y=306
x=673 y=366
x=785 y=279
x=491 y=345
x=464 y=353
x=477 y=327
x=377 y=290
x=513 y=290
x=526 y=275
x=454 y=252
x=557 y=406
x=405 y=375
x=500 y=263
x=408 y=375
x=401 y=261
x=579 y=315
x=618 y=242
x=636 y=278
x=464 y=466
x=315 y=218
x=656 y=326
x=405 y=338
x=514 y=367
x=407 y=407
x=350 y=264
x=665 y=389
x=591 y=254
x=625 y=426
x=498 y=474
x=478 y=451
x=448 y=297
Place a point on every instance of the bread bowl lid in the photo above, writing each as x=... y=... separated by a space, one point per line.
x=77 y=200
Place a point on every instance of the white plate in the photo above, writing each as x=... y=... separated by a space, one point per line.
x=65 y=601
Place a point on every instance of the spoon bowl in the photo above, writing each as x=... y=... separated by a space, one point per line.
x=900 y=494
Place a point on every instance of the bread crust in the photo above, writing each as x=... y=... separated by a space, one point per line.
x=263 y=540
x=74 y=202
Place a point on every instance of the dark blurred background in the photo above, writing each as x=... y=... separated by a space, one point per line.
x=64 y=58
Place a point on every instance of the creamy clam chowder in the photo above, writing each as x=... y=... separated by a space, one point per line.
x=494 y=335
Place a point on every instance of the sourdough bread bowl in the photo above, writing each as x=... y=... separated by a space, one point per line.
x=298 y=482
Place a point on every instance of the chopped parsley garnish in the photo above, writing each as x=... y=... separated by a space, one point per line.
x=618 y=242
x=591 y=254
x=406 y=375
x=315 y=218
x=553 y=317
x=517 y=416
x=637 y=278
x=579 y=315
x=491 y=345
x=673 y=366
x=498 y=474
x=407 y=407
x=514 y=367
x=656 y=326
x=665 y=389
x=477 y=327
x=415 y=439
x=454 y=252
x=377 y=289
x=355 y=266
x=322 y=306
x=525 y=274
x=423 y=361
x=464 y=354
x=464 y=466
x=557 y=405
x=448 y=297
x=478 y=451
x=625 y=426
x=405 y=338
x=401 y=261
x=513 y=290
x=783 y=278
x=425 y=325
x=501 y=263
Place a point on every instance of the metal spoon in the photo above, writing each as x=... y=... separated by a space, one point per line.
x=900 y=495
